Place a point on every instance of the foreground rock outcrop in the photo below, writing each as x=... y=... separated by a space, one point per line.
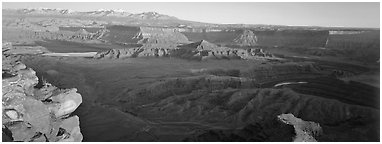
x=35 y=110
x=306 y=131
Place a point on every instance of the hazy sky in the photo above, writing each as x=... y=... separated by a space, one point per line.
x=315 y=14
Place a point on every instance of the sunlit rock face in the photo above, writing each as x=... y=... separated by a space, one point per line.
x=196 y=51
x=306 y=131
x=36 y=111
x=247 y=38
x=160 y=35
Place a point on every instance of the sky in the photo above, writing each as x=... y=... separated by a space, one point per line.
x=349 y=14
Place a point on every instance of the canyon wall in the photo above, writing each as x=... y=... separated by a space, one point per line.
x=161 y=35
x=364 y=46
x=310 y=38
x=92 y=29
x=197 y=51
x=15 y=35
x=141 y=35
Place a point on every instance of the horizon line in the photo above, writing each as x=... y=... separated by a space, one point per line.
x=124 y=10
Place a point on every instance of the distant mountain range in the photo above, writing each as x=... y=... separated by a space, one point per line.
x=101 y=12
x=155 y=19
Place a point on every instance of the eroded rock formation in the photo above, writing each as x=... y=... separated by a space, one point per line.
x=198 y=50
x=36 y=111
x=147 y=50
x=160 y=35
x=247 y=38
x=266 y=37
x=78 y=36
x=206 y=50
x=306 y=131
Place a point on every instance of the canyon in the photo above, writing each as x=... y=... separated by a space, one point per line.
x=153 y=77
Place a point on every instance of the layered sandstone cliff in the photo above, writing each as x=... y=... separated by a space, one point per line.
x=206 y=49
x=160 y=35
x=247 y=38
x=143 y=35
x=198 y=50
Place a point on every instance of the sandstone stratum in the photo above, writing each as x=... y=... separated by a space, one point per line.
x=198 y=51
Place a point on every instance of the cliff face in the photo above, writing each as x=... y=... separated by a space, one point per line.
x=160 y=35
x=205 y=49
x=121 y=34
x=77 y=36
x=147 y=50
x=36 y=111
x=363 y=46
x=198 y=51
x=143 y=35
x=247 y=37
x=218 y=37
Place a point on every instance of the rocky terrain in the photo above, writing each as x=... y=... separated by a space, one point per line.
x=34 y=110
x=198 y=51
x=111 y=75
x=225 y=103
x=26 y=26
x=248 y=38
x=194 y=31
x=305 y=131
